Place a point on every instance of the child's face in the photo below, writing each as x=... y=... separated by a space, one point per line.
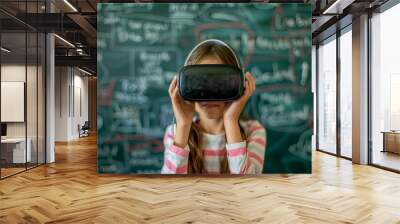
x=210 y=109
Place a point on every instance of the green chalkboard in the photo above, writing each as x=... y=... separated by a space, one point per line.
x=142 y=46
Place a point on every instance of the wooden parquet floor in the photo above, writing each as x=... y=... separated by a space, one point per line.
x=70 y=191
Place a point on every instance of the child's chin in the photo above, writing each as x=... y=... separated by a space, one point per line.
x=214 y=115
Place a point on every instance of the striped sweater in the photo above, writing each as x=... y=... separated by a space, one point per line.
x=246 y=157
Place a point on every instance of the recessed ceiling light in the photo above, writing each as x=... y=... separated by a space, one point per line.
x=84 y=71
x=65 y=41
x=337 y=7
x=5 y=50
x=70 y=5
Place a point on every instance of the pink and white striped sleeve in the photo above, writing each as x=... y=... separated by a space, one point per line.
x=247 y=157
x=175 y=158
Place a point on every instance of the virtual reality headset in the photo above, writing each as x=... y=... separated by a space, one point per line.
x=211 y=82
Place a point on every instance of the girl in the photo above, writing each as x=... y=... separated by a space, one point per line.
x=215 y=141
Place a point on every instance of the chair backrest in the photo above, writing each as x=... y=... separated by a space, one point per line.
x=86 y=125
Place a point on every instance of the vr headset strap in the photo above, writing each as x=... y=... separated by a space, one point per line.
x=214 y=40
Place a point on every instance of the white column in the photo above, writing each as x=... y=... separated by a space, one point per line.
x=50 y=99
x=50 y=93
x=360 y=90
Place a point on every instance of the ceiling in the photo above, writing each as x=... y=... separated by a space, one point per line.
x=75 y=21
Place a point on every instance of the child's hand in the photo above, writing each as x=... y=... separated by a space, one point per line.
x=183 y=110
x=234 y=109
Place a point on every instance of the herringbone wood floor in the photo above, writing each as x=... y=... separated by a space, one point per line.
x=70 y=191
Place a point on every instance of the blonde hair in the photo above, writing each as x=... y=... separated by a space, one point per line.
x=196 y=157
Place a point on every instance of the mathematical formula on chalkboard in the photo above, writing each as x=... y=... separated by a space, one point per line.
x=142 y=46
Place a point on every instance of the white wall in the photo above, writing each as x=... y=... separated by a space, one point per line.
x=62 y=81
x=13 y=101
x=12 y=73
x=33 y=126
x=70 y=83
x=80 y=89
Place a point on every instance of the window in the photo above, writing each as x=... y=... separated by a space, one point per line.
x=385 y=89
x=327 y=96
x=346 y=92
